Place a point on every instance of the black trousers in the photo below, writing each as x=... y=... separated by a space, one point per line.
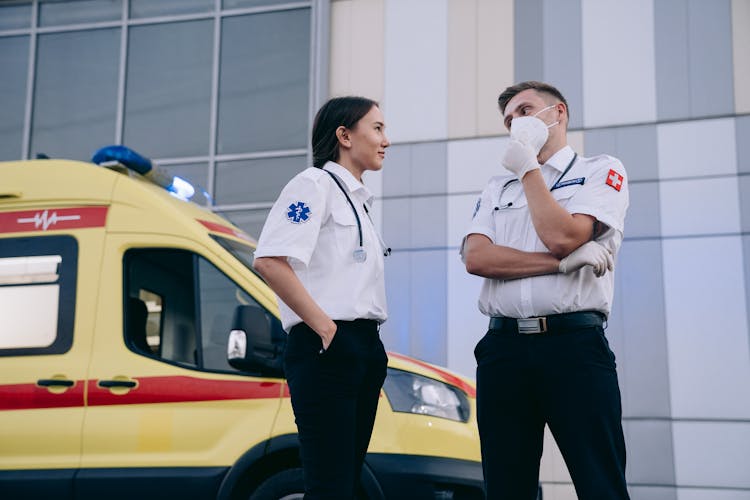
x=566 y=380
x=335 y=396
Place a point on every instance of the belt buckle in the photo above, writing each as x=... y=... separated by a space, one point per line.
x=529 y=326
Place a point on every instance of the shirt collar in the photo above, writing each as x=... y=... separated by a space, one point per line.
x=560 y=160
x=351 y=183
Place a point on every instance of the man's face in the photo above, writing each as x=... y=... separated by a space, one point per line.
x=529 y=103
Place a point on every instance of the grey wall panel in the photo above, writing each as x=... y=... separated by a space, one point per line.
x=396 y=331
x=397 y=223
x=649 y=448
x=429 y=168
x=528 y=40
x=635 y=146
x=744 y=187
x=710 y=57
x=742 y=132
x=746 y=263
x=397 y=170
x=429 y=224
x=600 y=141
x=562 y=57
x=671 y=57
x=643 y=219
x=644 y=358
x=429 y=284
x=653 y=493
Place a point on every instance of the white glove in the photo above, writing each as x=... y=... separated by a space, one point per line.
x=519 y=158
x=589 y=254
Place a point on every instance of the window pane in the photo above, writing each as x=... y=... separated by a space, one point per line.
x=250 y=221
x=150 y=8
x=263 y=92
x=37 y=294
x=232 y=4
x=252 y=181
x=168 y=93
x=219 y=297
x=15 y=16
x=79 y=11
x=75 y=93
x=14 y=60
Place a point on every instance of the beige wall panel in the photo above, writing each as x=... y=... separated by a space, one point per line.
x=575 y=140
x=494 y=61
x=741 y=54
x=462 y=68
x=357 y=48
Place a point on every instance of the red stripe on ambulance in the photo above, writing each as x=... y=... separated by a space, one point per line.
x=32 y=396
x=148 y=390
x=51 y=219
x=181 y=389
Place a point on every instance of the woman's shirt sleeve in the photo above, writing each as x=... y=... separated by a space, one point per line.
x=293 y=224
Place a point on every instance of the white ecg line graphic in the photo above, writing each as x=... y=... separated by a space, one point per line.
x=44 y=220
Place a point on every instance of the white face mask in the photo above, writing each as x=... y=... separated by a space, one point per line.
x=531 y=130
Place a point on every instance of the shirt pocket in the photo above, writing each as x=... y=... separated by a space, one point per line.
x=564 y=194
x=345 y=229
x=510 y=210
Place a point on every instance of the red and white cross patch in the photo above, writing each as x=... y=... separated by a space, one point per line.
x=614 y=180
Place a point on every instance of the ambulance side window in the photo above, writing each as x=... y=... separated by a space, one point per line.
x=37 y=295
x=179 y=308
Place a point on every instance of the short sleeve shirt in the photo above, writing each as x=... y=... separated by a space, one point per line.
x=314 y=227
x=594 y=186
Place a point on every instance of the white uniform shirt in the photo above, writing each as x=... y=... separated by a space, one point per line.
x=594 y=186
x=314 y=227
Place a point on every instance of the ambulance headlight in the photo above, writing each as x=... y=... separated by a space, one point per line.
x=411 y=393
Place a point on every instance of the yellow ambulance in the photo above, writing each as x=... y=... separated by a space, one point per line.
x=121 y=305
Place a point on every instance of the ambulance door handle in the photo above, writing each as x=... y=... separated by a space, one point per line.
x=117 y=383
x=53 y=382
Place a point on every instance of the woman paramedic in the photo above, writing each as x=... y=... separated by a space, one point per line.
x=321 y=254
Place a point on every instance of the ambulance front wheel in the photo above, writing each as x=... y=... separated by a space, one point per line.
x=285 y=485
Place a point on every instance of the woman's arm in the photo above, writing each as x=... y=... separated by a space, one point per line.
x=284 y=282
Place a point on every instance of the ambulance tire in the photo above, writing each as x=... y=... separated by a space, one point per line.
x=288 y=484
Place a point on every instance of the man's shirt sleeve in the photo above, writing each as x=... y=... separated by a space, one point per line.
x=604 y=195
x=483 y=221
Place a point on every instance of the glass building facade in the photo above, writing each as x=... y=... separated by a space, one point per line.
x=218 y=91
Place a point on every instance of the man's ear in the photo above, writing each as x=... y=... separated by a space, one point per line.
x=342 y=134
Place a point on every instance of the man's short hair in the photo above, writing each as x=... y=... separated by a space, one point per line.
x=541 y=87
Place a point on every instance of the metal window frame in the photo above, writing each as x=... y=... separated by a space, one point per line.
x=318 y=88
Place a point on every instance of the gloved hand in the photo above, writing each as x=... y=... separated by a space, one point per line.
x=589 y=254
x=519 y=158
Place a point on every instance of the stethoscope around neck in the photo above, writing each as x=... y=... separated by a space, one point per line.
x=498 y=206
x=359 y=254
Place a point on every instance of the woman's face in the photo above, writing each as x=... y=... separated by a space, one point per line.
x=368 y=142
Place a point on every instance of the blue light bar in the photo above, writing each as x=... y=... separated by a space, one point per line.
x=124 y=155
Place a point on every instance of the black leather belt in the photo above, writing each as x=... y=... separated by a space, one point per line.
x=553 y=323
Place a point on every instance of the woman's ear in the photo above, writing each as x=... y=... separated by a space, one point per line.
x=342 y=134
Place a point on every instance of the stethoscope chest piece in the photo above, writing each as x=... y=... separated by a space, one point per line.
x=360 y=255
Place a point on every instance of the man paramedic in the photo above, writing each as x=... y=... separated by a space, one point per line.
x=544 y=234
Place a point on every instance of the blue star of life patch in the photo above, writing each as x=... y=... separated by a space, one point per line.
x=298 y=212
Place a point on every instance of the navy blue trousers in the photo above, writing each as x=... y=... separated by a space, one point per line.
x=565 y=380
x=335 y=397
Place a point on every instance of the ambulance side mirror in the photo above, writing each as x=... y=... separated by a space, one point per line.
x=256 y=342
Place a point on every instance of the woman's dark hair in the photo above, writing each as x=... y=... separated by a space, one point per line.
x=337 y=112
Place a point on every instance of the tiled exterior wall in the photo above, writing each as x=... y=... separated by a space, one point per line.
x=664 y=85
